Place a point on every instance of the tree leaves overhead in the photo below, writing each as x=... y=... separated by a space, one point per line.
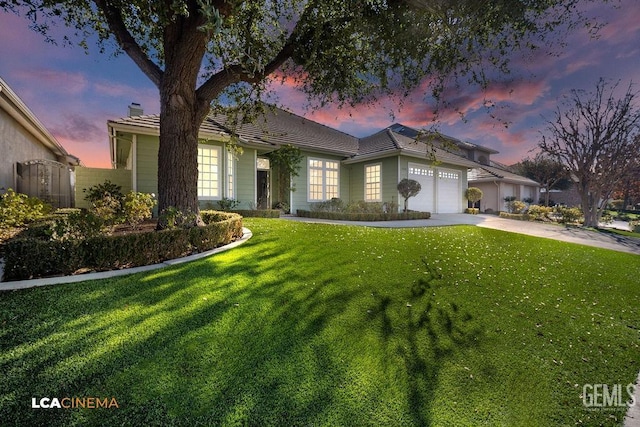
x=337 y=50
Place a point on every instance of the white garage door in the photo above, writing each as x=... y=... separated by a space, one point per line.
x=448 y=191
x=441 y=195
x=424 y=200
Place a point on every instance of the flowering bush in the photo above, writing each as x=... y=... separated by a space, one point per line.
x=137 y=207
x=18 y=209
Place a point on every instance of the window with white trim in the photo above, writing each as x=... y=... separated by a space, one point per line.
x=373 y=183
x=324 y=179
x=209 y=172
x=230 y=171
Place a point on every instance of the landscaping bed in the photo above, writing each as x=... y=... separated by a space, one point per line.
x=363 y=216
x=34 y=254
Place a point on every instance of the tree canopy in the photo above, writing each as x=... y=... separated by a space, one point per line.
x=595 y=136
x=201 y=53
x=547 y=171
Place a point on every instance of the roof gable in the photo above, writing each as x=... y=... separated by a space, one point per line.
x=18 y=110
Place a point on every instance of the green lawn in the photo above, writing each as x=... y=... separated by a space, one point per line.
x=310 y=324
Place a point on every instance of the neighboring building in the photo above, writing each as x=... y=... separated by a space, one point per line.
x=334 y=165
x=32 y=160
x=497 y=183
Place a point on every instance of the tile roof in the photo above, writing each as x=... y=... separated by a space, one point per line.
x=413 y=133
x=280 y=127
x=276 y=127
x=387 y=141
x=490 y=173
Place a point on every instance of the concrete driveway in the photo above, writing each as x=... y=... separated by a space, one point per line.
x=550 y=231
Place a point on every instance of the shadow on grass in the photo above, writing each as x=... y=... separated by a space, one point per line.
x=264 y=335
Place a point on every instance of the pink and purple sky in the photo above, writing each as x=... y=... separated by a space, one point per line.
x=74 y=93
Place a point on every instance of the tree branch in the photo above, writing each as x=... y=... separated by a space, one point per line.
x=128 y=43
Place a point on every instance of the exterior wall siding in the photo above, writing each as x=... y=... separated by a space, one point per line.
x=17 y=145
x=147 y=164
x=246 y=178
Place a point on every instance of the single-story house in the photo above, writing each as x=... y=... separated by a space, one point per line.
x=334 y=164
x=497 y=183
x=33 y=162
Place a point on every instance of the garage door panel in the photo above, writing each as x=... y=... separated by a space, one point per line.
x=449 y=195
x=423 y=201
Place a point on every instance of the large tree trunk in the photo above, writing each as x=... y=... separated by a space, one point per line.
x=181 y=114
x=178 y=158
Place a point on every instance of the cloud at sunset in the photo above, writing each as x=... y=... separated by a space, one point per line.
x=74 y=94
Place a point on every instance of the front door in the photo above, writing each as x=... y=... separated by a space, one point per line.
x=263 y=196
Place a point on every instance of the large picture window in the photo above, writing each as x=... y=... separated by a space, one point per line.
x=324 y=179
x=373 y=183
x=209 y=172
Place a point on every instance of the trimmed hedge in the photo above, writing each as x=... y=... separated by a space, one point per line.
x=472 y=211
x=364 y=216
x=258 y=213
x=27 y=258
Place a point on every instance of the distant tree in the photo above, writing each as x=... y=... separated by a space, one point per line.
x=408 y=188
x=204 y=52
x=596 y=138
x=474 y=195
x=546 y=171
x=628 y=190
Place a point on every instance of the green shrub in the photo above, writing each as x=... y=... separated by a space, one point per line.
x=258 y=213
x=538 y=212
x=634 y=226
x=211 y=216
x=513 y=205
x=18 y=209
x=171 y=218
x=333 y=205
x=363 y=216
x=227 y=204
x=77 y=226
x=30 y=257
x=137 y=207
x=473 y=211
x=569 y=215
x=106 y=202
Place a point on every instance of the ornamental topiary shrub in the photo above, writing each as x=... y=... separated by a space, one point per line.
x=408 y=188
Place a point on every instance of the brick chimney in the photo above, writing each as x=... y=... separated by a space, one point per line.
x=135 y=109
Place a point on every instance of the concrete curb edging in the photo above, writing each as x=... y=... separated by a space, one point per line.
x=25 y=284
